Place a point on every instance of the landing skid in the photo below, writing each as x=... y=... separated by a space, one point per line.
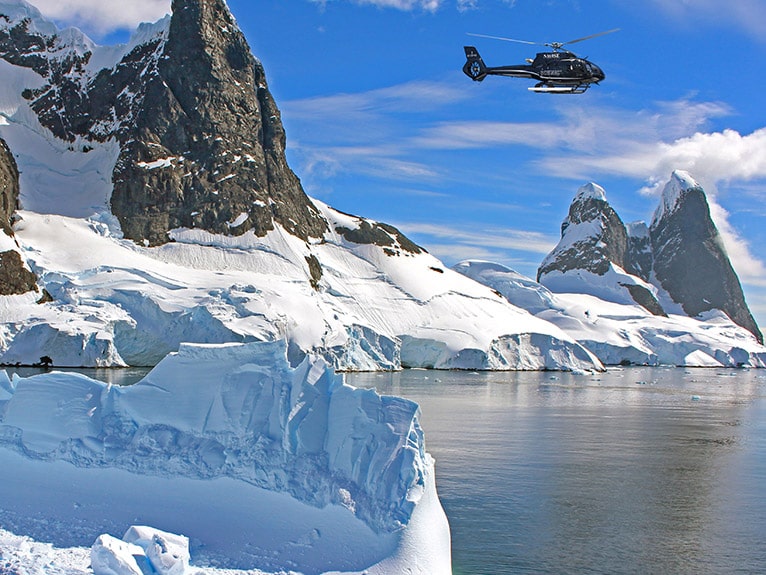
x=543 y=89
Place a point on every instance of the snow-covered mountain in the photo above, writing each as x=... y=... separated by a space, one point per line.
x=625 y=333
x=593 y=255
x=158 y=209
x=632 y=294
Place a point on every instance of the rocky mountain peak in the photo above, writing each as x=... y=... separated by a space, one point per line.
x=690 y=261
x=207 y=149
x=201 y=139
x=592 y=236
x=595 y=240
x=681 y=254
x=680 y=183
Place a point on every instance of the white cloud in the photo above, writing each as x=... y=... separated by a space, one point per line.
x=454 y=243
x=103 y=17
x=750 y=15
x=489 y=237
x=427 y=5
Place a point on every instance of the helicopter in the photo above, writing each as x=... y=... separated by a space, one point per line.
x=556 y=72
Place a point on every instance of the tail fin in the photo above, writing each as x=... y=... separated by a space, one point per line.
x=474 y=67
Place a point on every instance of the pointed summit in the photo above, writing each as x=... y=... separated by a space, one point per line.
x=592 y=236
x=207 y=148
x=594 y=254
x=201 y=142
x=690 y=261
x=680 y=183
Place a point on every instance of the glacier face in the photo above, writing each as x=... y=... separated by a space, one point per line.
x=619 y=331
x=234 y=424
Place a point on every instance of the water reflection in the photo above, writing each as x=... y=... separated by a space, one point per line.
x=633 y=471
x=115 y=376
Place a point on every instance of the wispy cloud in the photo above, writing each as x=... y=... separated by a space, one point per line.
x=428 y=5
x=578 y=143
x=453 y=243
x=749 y=15
x=103 y=17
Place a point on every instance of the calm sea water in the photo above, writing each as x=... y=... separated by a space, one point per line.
x=641 y=470
x=646 y=471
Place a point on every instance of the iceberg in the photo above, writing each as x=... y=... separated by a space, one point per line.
x=257 y=464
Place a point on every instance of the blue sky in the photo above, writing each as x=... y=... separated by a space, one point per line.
x=381 y=122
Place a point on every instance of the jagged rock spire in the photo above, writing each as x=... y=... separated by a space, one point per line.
x=209 y=120
x=201 y=142
x=592 y=236
x=690 y=261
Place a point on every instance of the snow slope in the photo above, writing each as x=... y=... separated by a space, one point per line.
x=623 y=332
x=261 y=465
x=116 y=303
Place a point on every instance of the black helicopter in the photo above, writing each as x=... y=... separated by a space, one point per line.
x=557 y=72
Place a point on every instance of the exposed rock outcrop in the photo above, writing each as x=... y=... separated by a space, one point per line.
x=594 y=240
x=690 y=261
x=679 y=257
x=592 y=236
x=15 y=278
x=9 y=187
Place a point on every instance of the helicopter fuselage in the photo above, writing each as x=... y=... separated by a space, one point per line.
x=556 y=72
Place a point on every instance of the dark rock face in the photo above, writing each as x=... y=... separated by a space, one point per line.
x=9 y=187
x=690 y=262
x=211 y=122
x=201 y=139
x=605 y=242
x=639 y=258
x=383 y=235
x=14 y=277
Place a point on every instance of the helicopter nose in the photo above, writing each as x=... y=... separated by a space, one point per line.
x=598 y=74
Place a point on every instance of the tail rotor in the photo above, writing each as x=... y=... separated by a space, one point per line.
x=474 y=66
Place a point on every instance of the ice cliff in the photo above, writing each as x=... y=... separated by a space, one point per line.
x=278 y=467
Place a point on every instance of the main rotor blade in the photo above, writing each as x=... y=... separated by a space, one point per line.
x=501 y=38
x=591 y=36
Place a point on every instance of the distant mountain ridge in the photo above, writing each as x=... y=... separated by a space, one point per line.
x=679 y=260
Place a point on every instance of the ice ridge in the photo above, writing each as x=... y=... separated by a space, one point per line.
x=237 y=411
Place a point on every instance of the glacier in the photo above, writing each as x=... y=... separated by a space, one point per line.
x=593 y=310
x=261 y=465
x=115 y=303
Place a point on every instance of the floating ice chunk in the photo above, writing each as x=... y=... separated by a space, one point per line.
x=168 y=553
x=110 y=556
